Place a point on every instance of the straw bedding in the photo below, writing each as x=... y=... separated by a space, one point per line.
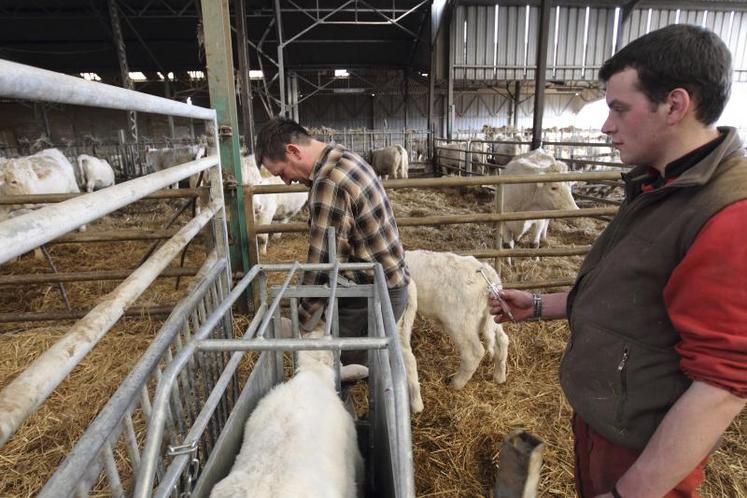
x=456 y=439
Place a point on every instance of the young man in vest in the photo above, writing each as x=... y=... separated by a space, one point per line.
x=345 y=194
x=656 y=366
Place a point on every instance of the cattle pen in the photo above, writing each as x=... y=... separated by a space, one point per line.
x=111 y=453
x=134 y=353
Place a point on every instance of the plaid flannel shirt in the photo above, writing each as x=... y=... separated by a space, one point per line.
x=346 y=194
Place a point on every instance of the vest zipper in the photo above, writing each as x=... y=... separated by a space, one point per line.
x=623 y=388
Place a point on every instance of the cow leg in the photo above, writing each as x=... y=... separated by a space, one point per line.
x=543 y=232
x=535 y=233
x=508 y=241
x=262 y=240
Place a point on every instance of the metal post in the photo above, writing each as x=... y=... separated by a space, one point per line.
x=247 y=105
x=539 y=76
x=432 y=100
x=517 y=103
x=281 y=60
x=169 y=95
x=407 y=94
x=123 y=67
x=450 y=81
x=218 y=53
x=498 y=208
x=293 y=95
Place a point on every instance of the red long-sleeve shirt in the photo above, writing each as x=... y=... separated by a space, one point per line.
x=706 y=298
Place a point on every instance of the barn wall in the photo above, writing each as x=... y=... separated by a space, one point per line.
x=26 y=121
x=500 y=42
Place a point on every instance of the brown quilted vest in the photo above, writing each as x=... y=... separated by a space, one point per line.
x=620 y=371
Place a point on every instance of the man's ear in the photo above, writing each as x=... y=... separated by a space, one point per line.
x=293 y=150
x=680 y=103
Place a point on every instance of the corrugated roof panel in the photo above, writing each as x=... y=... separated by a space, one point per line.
x=531 y=59
x=599 y=49
x=738 y=45
x=511 y=42
x=458 y=46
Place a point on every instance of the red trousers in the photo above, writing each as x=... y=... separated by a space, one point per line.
x=600 y=464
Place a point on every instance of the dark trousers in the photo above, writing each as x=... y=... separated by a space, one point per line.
x=601 y=463
x=353 y=320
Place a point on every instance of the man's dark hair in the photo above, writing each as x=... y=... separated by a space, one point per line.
x=275 y=135
x=678 y=56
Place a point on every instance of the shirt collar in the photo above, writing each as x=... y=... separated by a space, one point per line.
x=322 y=159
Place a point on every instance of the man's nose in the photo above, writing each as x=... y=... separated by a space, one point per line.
x=607 y=127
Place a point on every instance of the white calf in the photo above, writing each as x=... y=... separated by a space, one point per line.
x=448 y=288
x=299 y=441
x=95 y=173
x=269 y=207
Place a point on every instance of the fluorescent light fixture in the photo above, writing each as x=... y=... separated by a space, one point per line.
x=169 y=75
x=349 y=90
x=137 y=76
x=196 y=75
x=189 y=100
x=424 y=75
x=91 y=76
x=256 y=74
x=342 y=73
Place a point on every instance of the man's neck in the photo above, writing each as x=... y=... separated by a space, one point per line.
x=685 y=141
x=317 y=148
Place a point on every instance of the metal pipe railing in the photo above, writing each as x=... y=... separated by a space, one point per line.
x=457 y=219
x=181 y=193
x=28 y=231
x=32 y=386
x=67 y=474
x=20 y=81
x=457 y=181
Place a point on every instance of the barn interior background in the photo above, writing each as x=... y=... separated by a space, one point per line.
x=366 y=73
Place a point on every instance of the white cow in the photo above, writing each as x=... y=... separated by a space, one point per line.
x=448 y=288
x=160 y=159
x=95 y=173
x=390 y=161
x=454 y=156
x=300 y=441
x=533 y=196
x=46 y=172
x=269 y=207
x=504 y=152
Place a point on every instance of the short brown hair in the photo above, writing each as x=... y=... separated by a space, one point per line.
x=275 y=135
x=679 y=56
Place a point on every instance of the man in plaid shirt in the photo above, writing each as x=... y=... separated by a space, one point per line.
x=345 y=194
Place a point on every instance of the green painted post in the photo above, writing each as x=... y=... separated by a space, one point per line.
x=217 y=29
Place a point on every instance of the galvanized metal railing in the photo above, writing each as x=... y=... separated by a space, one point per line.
x=390 y=457
x=20 y=398
x=126 y=413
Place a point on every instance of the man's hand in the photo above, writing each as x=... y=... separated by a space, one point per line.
x=520 y=303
